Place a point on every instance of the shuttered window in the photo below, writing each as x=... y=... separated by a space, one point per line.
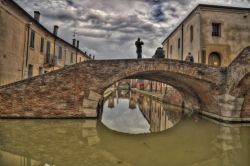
x=42 y=45
x=60 y=53
x=32 y=39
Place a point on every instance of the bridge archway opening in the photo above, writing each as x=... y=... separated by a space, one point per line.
x=195 y=93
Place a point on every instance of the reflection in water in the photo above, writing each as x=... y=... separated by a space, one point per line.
x=136 y=113
x=9 y=159
x=111 y=102
x=132 y=103
x=49 y=143
x=86 y=142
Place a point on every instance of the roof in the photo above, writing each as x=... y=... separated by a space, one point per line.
x=206 y=6
x=45 y=29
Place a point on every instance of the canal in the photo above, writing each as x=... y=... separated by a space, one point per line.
x=133 y=129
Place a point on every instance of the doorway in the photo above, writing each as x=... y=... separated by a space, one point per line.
x=214 y=59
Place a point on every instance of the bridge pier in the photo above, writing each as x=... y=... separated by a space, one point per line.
x=230 y=106
x=90 y=105
x=229 y=109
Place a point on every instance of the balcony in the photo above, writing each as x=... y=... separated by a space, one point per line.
x=49 y=62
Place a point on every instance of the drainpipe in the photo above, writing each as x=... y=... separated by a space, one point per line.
x=167 y=49
x=77 y=47
x=54 y=53
x=74 y=45
x=28 y=41
x=24 y=53
x=182 y=43
x=64 y=62
x=200 y=52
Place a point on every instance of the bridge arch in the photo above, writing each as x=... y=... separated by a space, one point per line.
x=238 y=73
x=196 y=91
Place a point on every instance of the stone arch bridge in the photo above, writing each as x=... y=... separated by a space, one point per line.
x=75 y=91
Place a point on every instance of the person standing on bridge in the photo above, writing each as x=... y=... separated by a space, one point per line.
x=190 y=58
x=159 y=53
x=138 y=45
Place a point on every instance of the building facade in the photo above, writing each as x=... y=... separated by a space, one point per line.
x=28 y=49
x=214 y=35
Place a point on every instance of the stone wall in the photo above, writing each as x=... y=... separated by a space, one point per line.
x=238 y=80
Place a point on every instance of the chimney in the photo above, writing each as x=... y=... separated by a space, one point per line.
x=56 y=30
x=37 y=16
x=74 y=42
x=77 y=44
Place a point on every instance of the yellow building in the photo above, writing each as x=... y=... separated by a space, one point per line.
x=215 y=35
x=28 y=49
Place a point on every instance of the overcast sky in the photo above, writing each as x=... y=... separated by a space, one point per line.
x=109 y=28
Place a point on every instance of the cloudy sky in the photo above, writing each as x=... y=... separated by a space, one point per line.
x=109 y=28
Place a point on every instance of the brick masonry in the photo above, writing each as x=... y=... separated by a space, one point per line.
x=75 y=91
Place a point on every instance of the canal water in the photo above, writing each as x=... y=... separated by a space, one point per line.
x=134 y=130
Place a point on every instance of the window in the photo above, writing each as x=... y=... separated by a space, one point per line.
x=80 y=59
x=191 y=33
x=216 y=29
x=30 y=71
x=65 y=54
x=47 y=59
x=32 y=39
x=179 y=43
x=171 y=49
x=60 y=53
x=40 y=70
x=71 y=58
x=42 y=45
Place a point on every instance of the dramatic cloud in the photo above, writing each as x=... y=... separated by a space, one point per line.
x=109 y=28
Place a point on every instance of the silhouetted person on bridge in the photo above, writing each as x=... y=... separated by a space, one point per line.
x=138 y=45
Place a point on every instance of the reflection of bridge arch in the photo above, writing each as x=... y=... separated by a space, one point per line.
x=77 y=89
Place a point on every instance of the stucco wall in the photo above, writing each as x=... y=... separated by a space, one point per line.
x=194 y=46
x=12 y=32
x=188 y=46
x=235 y=33
x=173 y=41
x=15 y=27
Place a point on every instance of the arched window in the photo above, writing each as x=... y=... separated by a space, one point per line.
x=214 y=59
x=191 y=33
